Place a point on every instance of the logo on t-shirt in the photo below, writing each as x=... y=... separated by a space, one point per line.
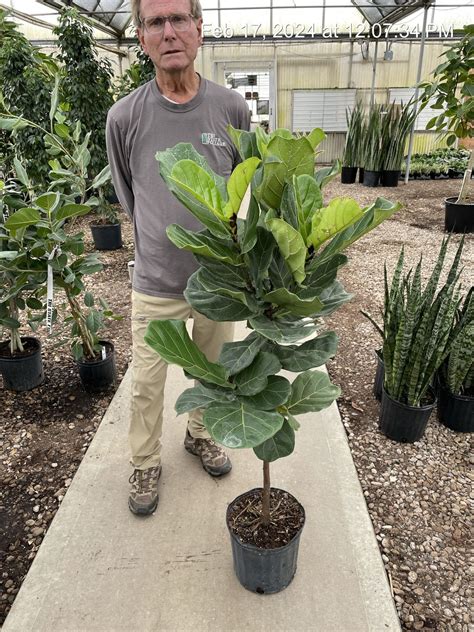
x=208 y=138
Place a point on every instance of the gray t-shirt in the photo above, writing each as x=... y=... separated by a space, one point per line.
x=138 y=126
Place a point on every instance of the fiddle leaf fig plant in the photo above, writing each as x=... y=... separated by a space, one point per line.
x=276 y=268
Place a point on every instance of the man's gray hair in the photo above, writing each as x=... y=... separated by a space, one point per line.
x=196 y=10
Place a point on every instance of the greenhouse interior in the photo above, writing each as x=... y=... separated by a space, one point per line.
x=230 y=225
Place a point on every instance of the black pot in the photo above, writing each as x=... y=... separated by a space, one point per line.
x=379 y=375
x=361 y=175
x=401 y=422
x=98 y=375
x=456 y=411
x=107 y=236
x=112 y=197
x=23 y=372
x=389 y=178
x=458 y=218
x=371 y=178
x=348 y=175
x=263 y=571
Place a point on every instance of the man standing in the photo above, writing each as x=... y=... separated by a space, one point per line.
x=177 y=106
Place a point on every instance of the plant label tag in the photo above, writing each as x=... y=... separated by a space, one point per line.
x=103 y=353
x=50 y=289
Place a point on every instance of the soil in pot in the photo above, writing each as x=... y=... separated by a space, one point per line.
x=458 y=218
x=265 y=557
x=107 y=236
x=22 y=371
x=404 y=423
x=98 y=374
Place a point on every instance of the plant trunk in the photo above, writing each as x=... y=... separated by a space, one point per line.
x=76 y=313
x=463 y=195
x=15 y=338
x=266 y=494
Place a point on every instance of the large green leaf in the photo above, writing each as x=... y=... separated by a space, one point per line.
x=236 y=356
x=170 y=339
x=12 y=124
x=245 y=142
x=203 y=244
x=261 y=256
x=291 y=245
x=219 y=308
x=254 y=378
x=198 y=396
x=282 y=330
x=48 y=201
x=196 y=181
x=288 y=208
x=22 y=219
x=311 y=391
x=228 y=273
x=333 y=297
x=279 y=272
x=218 y=286
x=309 y=199
x=326 y=174
x=320 y=275
x=280 y=445
x=237 y=425
x=316 y=137
x=247 y=229
x=332 y=219
x=373 y=216
x=72 y=210
x=310 y=354
x=285 y=157
x=238 y=183
x=294 y=304
x=276 y=393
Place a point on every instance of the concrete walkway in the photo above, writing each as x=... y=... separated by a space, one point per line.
x=102 y=569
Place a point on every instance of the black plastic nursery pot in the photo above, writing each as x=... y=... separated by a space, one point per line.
x=264 y=571
x=98 y=375
x=456 y=411
x=379 y=375
x=107 y=236
x=389 y=178
x=23 y=371
x=348 y=175
x=371 y=178
x=361 y=175
x=402 y=422
x=458 y=218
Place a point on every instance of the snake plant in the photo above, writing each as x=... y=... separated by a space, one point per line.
x=417 y=326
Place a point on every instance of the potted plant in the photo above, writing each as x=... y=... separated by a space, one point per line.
x=416 y=327
x=106 y=229
x=396 y=127
x=350 y=157
x=20 y=281
x=452 y=89
x=60 y=254
x=373 y=147
x=275 y=269
x=456 y=376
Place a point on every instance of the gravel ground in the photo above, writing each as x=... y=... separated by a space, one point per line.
x=418 y=495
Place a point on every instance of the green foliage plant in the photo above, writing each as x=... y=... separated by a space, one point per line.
x=40 y=226
x=27 y=78
x=86 y=83
x=457 y=371
x=417 y=325
x=139 y=72
x=276 y=269
x=354 y=120
x=397 y=123
x=452 y=88
x=21 y=279
x=374 y=139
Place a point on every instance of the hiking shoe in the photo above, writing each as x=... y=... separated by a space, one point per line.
x=213 y=458
x=143 y=497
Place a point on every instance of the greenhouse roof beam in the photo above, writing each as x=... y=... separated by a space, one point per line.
x=102 y=20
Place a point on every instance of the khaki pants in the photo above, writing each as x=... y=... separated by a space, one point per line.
x=149 y=373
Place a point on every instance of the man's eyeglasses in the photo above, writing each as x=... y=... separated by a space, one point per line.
x=156 y=24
